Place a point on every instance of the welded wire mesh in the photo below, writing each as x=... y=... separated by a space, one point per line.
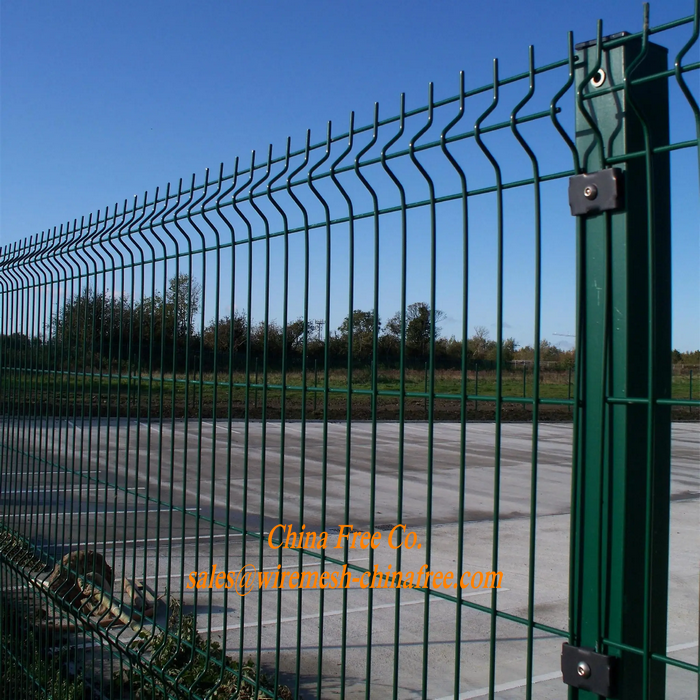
x=286 y=343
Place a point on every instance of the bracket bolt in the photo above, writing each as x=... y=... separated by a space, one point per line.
x=590 y=192
x=599 y=78
x=583 y=669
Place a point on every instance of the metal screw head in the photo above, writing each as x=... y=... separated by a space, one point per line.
x=598 y=79
x=590 y=192
x=583 y=669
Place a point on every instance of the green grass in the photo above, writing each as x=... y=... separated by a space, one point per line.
x=78 y=393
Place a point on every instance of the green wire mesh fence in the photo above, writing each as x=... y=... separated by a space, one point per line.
x=185 y=434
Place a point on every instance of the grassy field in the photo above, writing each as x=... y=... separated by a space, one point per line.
x=77 y=394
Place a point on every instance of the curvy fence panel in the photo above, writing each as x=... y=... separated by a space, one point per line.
x=268 y=432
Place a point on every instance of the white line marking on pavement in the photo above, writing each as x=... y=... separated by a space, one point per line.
x=152 y=540
x=104 y=511
x=73 y=487
x=334 y=613
x=680 y=647
x=120 y=512
x=170 y=543
x=267 y=568
x=481 y=692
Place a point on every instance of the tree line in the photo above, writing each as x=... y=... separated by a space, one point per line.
x=94 y=329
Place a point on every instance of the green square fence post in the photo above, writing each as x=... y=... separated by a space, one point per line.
x=621 y=496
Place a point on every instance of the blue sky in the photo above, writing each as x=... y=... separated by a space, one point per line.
x=101 y=101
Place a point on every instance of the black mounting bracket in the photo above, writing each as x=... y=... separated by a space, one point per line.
x=591 y=193
x=585 y=669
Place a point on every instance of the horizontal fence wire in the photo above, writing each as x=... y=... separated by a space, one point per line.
x=183 y=372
